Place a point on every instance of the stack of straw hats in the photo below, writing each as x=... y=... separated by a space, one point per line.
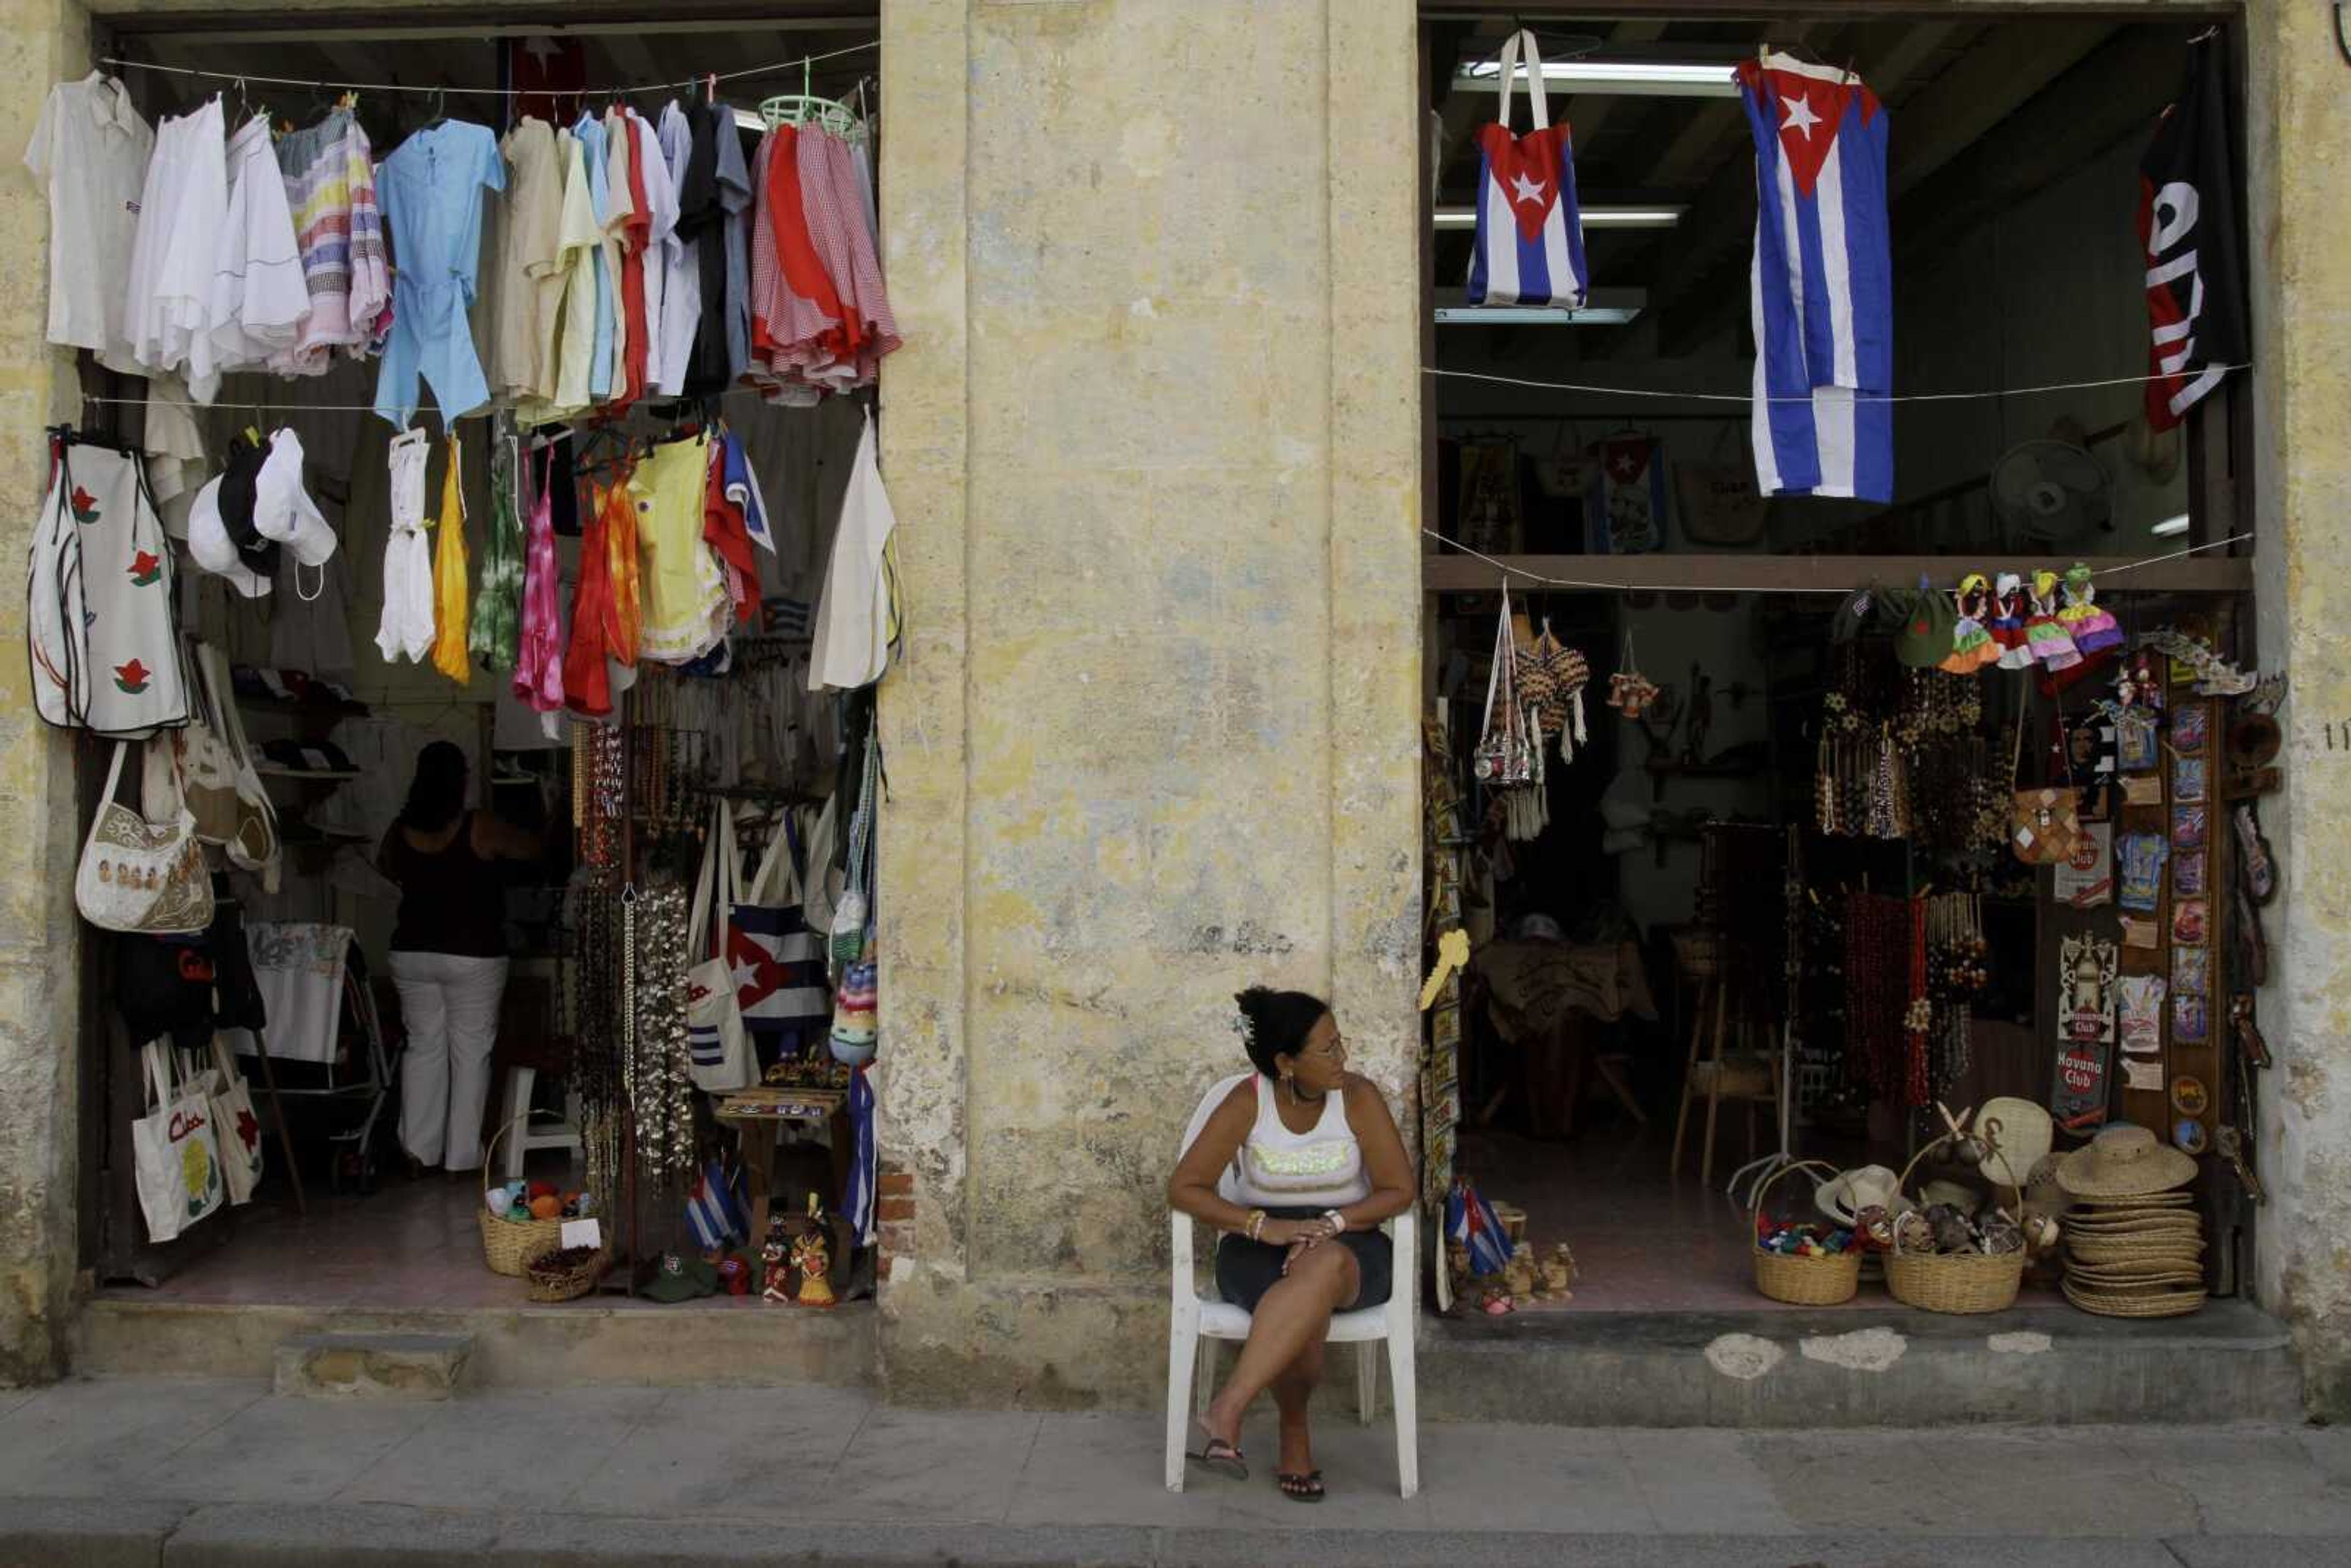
x=2134 y=1242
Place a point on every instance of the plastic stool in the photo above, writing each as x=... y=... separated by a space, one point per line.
x=521 y=1139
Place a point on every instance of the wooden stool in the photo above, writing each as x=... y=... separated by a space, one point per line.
x=1745 y=1074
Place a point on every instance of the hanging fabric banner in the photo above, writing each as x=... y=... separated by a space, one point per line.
x=2187 y=226
x=1624 y=497
x=1822 y=282
x=1529 y=247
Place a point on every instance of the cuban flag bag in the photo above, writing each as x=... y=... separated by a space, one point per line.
x=1822 y=286
x=1530 y=249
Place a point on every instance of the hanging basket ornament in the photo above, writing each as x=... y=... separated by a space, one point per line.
x=1630 y=692
x=1503 y=757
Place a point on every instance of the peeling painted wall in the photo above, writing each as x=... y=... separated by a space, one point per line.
x=1155 y=737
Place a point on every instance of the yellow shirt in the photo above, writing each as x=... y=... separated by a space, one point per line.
x=574 y=341
x=685 y=609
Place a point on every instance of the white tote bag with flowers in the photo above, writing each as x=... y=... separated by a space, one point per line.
x=235 y=1128
x=176 y=1154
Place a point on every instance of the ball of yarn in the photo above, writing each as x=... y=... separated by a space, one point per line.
x=539 y=1189
x=546 y=1206
x=499 y=1200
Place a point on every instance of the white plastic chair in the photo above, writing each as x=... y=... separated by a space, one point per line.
x=1195 y=1319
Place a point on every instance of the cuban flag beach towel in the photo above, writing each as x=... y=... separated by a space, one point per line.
x=1822 y=286
x=1529 y=246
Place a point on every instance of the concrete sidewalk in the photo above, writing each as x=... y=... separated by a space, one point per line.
x=200 y=1472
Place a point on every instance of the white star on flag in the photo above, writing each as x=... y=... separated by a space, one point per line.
x=1525 y=190
x=1799 y=116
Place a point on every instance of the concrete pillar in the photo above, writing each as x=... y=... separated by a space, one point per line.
x=1154 y=451
x=2299 y=128
x=41 y=41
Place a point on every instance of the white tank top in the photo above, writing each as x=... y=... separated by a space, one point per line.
x=1322 y=1169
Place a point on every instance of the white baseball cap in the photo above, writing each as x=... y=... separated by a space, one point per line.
x=282 y=510
x=214 y=551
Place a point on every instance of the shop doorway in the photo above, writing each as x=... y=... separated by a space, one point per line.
x=1734 y=784
x=598 y=1106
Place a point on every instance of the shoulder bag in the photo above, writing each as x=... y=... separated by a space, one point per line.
x=721 y=1052
x=2045 y=824
x=140 y=875
x=176 y=1152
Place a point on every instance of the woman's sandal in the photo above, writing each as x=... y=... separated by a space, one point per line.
x=1222 y=1458
x=1307 y=1488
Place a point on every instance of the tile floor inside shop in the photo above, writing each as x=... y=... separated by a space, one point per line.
x=411 y=1243
x=1645 y=1240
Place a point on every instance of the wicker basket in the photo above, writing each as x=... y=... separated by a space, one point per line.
x=544 y=1283
x=1797 y=1279
x=1956 y=1283
x=508 y=1246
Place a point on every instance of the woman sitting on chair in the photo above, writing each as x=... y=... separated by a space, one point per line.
x=1319 y=1165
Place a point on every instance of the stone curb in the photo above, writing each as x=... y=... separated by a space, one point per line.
x=103 y=1533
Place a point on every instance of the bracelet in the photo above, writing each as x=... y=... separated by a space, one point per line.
x=1338 y=1221
x=1256 y=1224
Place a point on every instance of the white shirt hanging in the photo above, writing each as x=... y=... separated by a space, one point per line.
x=167 y=304
x=260 y=301
x=90 y=148
x=857 y=619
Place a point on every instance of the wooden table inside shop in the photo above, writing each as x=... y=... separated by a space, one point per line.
x=755 y=1115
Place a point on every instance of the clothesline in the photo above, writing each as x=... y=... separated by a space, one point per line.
x=1750 y=397
x=242 y=405
x=1510 y=570
x=247 y=77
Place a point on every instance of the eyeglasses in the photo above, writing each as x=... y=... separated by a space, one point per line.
x=1337 y=1049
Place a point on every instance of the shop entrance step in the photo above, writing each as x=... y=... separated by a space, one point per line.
x=597 y=1343
x=373 y=1366
x=1879 y=1365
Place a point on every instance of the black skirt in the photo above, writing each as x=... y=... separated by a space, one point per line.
x=1247 y=1269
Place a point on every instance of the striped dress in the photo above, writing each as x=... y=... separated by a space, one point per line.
x=330 y=172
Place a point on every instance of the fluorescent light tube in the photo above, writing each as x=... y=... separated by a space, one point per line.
x=1652 y=78
x=1535 y=316
x=1599 y=217
x=2170 y=526
x=750 y=119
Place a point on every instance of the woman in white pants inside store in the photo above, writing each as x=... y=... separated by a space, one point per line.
x=448 y=956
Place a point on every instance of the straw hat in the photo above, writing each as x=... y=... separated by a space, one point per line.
x=2024 y=1135
x=2124 y=1161
x=1847 y=1193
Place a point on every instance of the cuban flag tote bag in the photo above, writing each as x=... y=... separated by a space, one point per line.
x=1530 y=249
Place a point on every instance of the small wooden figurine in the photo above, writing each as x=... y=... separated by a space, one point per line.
x=1518 y=1277
x=778 y=1287
x=1558 y=1274
x=813 y=1258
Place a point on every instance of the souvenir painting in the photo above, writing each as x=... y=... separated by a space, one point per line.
x=2190 y=921
x=2085 y=970
x=2135 y=742
x=2139 y=871
x=2186 y=779
x=2190 y=1135
x=2189 y=827
x=2140 y=1002
x=2191 y=970
x=2188 y=874
x=2192 y=1020
x=2189 y=1096
x=2190 y=726
x=2087 y=880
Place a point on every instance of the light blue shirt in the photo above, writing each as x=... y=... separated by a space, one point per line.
x=591 y=132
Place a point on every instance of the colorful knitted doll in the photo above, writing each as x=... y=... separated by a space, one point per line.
x=1971 y=646
x=2051 y=648
x=2093 y=630
x=2007 y=623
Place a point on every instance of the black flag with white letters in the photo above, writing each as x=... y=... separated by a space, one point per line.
x=2188 y=228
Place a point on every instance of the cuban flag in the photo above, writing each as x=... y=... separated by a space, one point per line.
x=712 y=1209
x=1471 y=1220
x=1530 y=247
x=1822 y=285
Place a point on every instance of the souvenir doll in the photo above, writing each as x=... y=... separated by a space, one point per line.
x=773 y=1254
x=2007 y=623
x=1971 y=646
x=1559 y=1274
x=2092 y=629
x=2051 y=648
x=813 y=1258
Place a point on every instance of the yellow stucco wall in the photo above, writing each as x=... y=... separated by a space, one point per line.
x=1155 y=442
